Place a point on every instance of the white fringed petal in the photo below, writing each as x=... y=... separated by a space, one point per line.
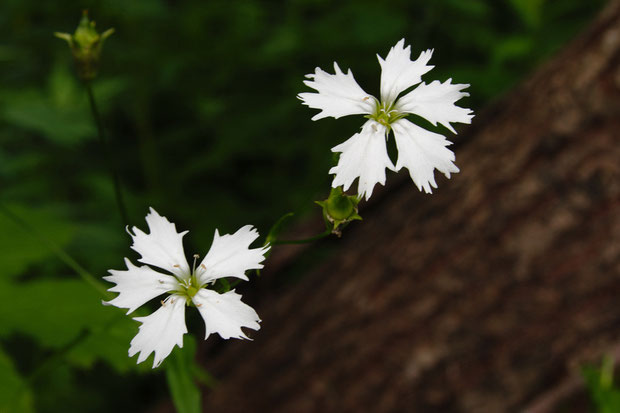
x=163 y=246
x=160 y=331
x=398 y=71
x=364 y=156
x=421 y=152
x=225 y=314
x=230 y=255
x=137 y=285
x=435 y=103
x=338 y=94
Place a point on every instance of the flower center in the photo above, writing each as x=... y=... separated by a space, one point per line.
x=191 y=286
x=385 y=114
x=192 y=290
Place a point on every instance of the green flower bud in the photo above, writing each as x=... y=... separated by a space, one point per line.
x=86 y=46
x=339 y=209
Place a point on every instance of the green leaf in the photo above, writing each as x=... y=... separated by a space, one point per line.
x=15 y=395
x=61 y=123
x=179 y=374
x=109 y=342
x=19 y=249
x=512 y=49
x=605 y=396
x=203 y=376
x=530 y=11
x=54 y=312
x=61 y=113
x=57 y=313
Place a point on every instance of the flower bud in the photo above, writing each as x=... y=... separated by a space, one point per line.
x=339 y=209
x=86 y=46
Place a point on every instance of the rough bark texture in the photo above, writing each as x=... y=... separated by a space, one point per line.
x=488 y=295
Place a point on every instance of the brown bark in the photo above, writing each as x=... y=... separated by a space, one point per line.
x=487 y=296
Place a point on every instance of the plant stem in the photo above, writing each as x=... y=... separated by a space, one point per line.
x=108 y=157
x=59 y=252
x=232 y=284
x=327 y=233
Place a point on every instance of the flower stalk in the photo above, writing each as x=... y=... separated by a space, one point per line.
x=118 y=192
x=86 y=45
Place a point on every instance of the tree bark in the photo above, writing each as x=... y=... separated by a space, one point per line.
x=487 y=296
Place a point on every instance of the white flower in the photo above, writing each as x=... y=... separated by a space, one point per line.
x=225 y=314
x=364 y=155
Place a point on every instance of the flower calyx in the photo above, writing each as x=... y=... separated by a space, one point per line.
x=86 y=44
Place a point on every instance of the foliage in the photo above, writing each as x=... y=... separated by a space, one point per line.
x=604 y=394
x=181 y=371
x=198 y=99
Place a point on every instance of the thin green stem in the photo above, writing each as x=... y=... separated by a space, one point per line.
x=327 y=233
x=59 y=252
x=228 y=285
x=108 y=157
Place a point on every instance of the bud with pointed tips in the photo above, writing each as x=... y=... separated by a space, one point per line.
x=86 y=46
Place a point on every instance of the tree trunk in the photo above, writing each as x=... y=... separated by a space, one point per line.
x=487 y=296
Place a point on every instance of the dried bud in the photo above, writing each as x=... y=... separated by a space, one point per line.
x=86 y=46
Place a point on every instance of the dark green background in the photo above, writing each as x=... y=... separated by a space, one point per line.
x=198 y=99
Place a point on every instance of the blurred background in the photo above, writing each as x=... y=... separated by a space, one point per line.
x=198 y=101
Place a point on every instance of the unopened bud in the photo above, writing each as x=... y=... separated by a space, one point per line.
x=86 y=46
